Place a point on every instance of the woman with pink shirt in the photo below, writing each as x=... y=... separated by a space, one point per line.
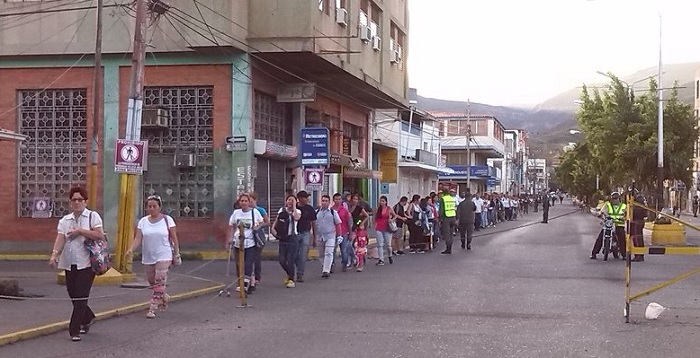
x=346 y=251
x=382 y=216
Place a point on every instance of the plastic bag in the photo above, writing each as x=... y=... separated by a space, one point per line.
x=654 y=310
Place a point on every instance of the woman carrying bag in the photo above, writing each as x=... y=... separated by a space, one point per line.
x=71 y=254
x=160 y=249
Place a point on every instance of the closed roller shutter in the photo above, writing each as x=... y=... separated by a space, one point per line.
x=270 y=185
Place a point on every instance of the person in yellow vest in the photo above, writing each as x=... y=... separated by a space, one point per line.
x=616 y=210
x=448 y=218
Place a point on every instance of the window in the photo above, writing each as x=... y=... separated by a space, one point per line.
x=341 y=4
x=54 y=156
x=187 y=192
x=272 y=119
x=397 y=43
x=364 y=12
x=456 y=158
x=324 y=6
x=414 y=128
x=376 y=16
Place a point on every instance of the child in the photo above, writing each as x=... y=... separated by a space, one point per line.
x=360 y=244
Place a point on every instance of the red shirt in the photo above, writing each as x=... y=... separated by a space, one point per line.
x=381 y=220
x=345 y=218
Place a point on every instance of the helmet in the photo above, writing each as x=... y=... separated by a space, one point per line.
x=614 y=195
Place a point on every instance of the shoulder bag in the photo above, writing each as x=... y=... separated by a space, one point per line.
x=100 y=260
x=177 y=259
x=258 y=234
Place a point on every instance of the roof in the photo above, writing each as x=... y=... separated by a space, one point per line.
x=460 y=115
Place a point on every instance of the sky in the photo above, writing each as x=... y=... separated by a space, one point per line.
x=522 y=52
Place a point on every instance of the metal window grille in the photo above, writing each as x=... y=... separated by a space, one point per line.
x=272 y=119
x=185 y=192
x=54 y=156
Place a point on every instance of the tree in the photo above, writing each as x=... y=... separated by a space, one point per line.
x=620 y=139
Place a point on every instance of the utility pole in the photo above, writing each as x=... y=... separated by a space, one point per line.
x=469 y=140
x=97 y=105
x=128 y=182
x=660 y=129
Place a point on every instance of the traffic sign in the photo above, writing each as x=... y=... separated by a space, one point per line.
x=129 y=156
x=313 y=178
x=41 y=208
x=236 y=139
x=315 y=148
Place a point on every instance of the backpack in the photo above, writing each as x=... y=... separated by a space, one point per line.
x=282 y=225
x=100 y=260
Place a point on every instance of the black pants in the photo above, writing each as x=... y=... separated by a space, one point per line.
x=509 y=214
x=79 y=284
x=545 y=215
x=415 y=239
x=287 y=255
x=447 y=230
x=618 y=235
x=466 y=230
x=637 y=233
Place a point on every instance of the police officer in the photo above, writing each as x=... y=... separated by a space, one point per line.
x=448 y=213
x=616 y=211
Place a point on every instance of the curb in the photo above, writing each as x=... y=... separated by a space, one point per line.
x=30 y=333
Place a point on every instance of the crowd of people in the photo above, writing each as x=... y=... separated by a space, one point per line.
x=339 y=225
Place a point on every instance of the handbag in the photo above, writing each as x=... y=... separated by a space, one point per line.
x=100 y=261
x=177 y=260
x=392 y=226
x=258 y=235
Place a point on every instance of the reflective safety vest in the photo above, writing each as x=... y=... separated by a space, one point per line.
x=450 y=206
x=617 y=213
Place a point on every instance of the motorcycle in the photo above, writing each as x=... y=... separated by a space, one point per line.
x=609 y=244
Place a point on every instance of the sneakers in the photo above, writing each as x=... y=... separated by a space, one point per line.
x=325 y=275
x=400 y=252
x=380 y=263
x=150 y=314
x=359 y=269
x=391 y=260
x=85 y=328
x=75 y=338
x=593 y=257
x=289 y=283
x=300 y=278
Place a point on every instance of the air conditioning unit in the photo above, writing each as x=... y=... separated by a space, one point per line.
x=188 y=160
x=365 y=33
x=377 y=43
x=341 y=17
x=395 y=57
x=156 y=118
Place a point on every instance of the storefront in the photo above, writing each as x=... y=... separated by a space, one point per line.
x=274 y=164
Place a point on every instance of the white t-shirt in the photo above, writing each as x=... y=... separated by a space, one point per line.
x=248 y=220
x=155 y=245
x=479 y=204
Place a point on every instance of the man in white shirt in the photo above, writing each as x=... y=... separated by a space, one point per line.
x=505 y=200
x=479 y=203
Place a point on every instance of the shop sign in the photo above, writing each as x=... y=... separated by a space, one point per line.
x=273 y=149
x=315 y=146
x=388 y=165
x=295 y=93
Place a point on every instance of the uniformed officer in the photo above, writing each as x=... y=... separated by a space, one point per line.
x=616 y=210
x=448 y=213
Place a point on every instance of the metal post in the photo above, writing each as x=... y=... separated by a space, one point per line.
x=97 y=105
x=128 y=182
x=469 y=141
x=410 y=124
x=660 y=129
x=628 y=259
x=241 y=267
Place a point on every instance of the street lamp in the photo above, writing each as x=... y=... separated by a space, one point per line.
x=630 y=87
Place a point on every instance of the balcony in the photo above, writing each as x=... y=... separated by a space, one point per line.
x=487 y=146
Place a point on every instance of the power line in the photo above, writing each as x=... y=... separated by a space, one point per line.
x=49 y=11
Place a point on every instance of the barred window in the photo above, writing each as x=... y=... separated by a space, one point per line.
x=272 y=119
x=54 y=156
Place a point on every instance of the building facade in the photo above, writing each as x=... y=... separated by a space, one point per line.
x=537 y=174
x=407 y=144
x=486 y=141
x=224 y=100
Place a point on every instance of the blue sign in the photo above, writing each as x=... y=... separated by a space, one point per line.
x=315 y=146
x=491 y=182
x=479 y=170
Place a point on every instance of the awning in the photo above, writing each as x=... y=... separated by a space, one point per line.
x=348 y=161
x=426 y=167
x=11 y=136
x=269 y=149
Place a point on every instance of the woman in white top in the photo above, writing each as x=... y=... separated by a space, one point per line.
x=160 y=249
x=250 y=219
x=73 y=229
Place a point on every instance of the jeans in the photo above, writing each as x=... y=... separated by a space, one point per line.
x=249 y=255
x=258 y=263
x=383 y=242
x=78 y=284
x=346 y=251
x=303 y=253
x=484 y=219
x=326 y=251
x=287 y=255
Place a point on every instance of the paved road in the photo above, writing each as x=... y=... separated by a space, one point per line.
x=529 y=292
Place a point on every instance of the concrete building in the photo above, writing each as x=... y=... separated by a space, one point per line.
x=536 y=172
x=487 y=141
x=511 y=179
x=408 y=146
x=255 y=72
x=695 y=190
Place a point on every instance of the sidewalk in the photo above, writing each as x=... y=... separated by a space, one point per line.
x=47 y=309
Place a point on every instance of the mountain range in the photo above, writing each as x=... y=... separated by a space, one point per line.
x=549 y=122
